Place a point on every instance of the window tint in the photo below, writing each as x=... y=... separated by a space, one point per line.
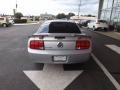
x=43 y=28
x=63 y=27
x=92 y=21
x=102 y=21
x=1 y=18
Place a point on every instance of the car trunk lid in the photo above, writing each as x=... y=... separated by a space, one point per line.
x=57 y=41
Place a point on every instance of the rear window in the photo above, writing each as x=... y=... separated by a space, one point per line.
x=63 y=27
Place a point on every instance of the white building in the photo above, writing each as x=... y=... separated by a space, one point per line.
x=46 y=16
x=82 y=18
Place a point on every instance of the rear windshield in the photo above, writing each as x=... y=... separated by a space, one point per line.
x=63 y=27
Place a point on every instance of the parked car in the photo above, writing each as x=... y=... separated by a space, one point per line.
x=78 y=22
x=59 y=41
x=11 y=21
x=98 y=25
x=84 y=23
x=4 y=22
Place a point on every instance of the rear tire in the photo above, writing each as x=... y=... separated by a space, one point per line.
x=94 y=28
x=105 y=29
x=4 y=25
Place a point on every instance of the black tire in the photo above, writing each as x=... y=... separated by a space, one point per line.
x=105 y=29
x=4 y=25
x=94 y=29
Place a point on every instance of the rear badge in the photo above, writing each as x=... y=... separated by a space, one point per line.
x=60 y=45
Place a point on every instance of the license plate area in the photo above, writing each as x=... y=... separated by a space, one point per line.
x=59 y=58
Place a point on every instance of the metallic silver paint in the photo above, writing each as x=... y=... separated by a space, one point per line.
x=59 y=47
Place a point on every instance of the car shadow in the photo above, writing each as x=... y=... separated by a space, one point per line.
x=90 y=65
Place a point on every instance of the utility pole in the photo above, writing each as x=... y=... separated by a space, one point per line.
x=16 y=5
x=79 y=9
x=111 y=12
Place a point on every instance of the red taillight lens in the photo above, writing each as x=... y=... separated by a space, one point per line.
x=37 y=44
x=82 y=44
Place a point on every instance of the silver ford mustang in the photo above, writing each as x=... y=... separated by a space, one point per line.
x=59 y=41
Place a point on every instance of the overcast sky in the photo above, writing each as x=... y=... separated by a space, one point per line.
x=37 y=7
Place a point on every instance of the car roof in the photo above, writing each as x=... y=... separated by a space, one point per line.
x=67 y=21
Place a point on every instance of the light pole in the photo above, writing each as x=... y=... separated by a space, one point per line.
x=111 y=12
x=16 y=5
x=79 y=9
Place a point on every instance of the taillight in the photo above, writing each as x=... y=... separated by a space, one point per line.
x=37 y=44
x=82 y=44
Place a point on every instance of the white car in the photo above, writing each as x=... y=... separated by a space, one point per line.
x=4 y=22
x=98 y=25
x=11 y=21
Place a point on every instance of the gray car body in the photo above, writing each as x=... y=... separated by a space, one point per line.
x=51 y=47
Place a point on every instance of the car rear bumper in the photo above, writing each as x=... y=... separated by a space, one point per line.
x=73 y=58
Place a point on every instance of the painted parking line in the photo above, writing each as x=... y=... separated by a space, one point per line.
x=53 y=77
x=115 y=48
x=106 y=72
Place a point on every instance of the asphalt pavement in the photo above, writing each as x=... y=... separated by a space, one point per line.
x=14 y=60
x=108 y=57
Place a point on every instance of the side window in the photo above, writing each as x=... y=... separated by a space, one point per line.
x=93 y=21
x=7 y=20
x=1 y=18
x=43 y=28
x=102 y=21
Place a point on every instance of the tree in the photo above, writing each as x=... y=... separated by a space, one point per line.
x=18 y=15
x=60 y=16
x=89 y=15
x=70 y=15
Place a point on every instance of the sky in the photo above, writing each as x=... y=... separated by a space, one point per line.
x=37 y=7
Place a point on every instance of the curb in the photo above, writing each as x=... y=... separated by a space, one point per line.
x=102 y=33
x=25 y=24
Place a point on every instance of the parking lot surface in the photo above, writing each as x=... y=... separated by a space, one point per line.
x=14 y=60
